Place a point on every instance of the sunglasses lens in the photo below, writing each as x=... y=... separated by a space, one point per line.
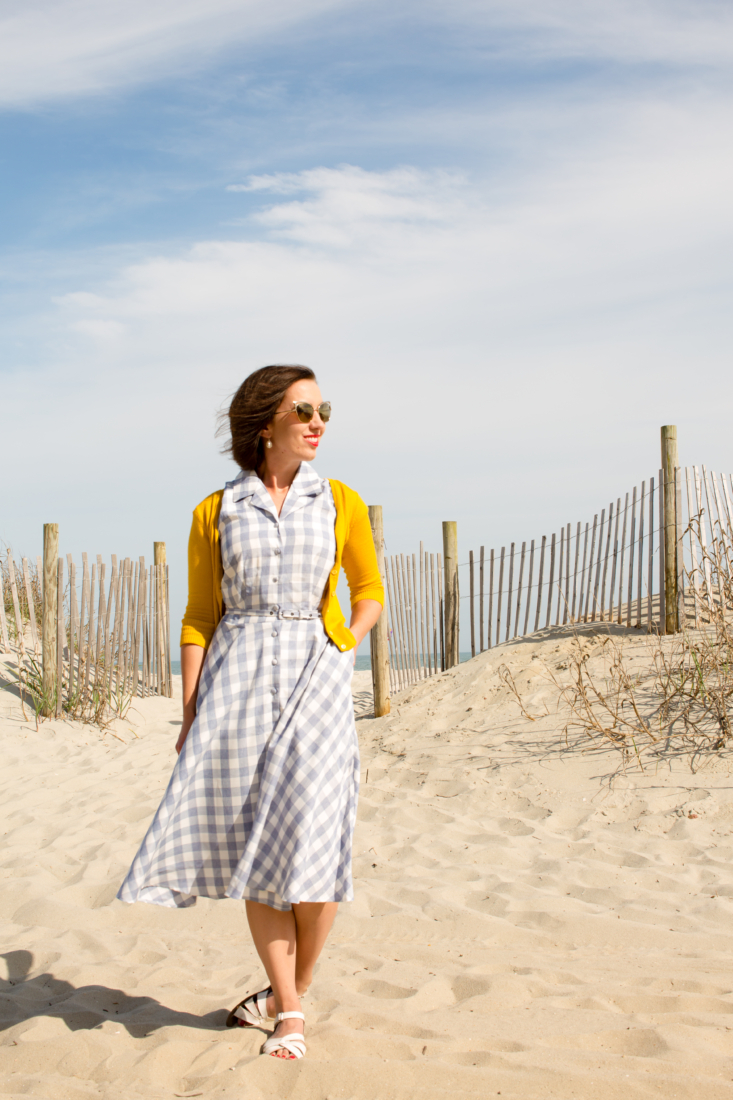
x=325 y=411
x=305 y=411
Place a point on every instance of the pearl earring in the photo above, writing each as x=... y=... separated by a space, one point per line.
x=268 y=443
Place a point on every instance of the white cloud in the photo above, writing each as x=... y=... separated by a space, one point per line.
x=59 y=48
x=52 y=48
x=99 y=329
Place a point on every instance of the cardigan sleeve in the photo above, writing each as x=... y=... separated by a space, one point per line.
x=200 y=619
x=359 y=557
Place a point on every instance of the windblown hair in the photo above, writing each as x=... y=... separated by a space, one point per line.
x=253 y=407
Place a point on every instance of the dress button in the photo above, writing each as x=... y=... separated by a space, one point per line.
x=276 y=550
x=274 y=634
x=343 y=647
x=274 y=691
x=274 y=580
x=274 y=660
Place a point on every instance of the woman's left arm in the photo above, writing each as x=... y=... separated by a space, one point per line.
x=362 y=573
x=364 y=615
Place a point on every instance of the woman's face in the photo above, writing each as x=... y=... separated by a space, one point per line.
x=290 y=438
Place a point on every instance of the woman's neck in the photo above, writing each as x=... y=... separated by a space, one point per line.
x=278 y=476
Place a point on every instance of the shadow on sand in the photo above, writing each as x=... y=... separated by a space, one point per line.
x=85 y=1007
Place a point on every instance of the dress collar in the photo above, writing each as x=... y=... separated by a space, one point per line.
x=249 y=486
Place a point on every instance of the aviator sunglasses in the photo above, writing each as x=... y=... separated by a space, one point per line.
x=304 y=411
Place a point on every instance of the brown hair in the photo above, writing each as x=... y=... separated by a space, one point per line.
x=253 y=407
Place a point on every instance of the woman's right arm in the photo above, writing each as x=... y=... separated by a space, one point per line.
x=192 y=661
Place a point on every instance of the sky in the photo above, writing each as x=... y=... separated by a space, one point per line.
x=499 y=232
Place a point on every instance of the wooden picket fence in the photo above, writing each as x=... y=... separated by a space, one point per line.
x=608 y=570
x=110 y=637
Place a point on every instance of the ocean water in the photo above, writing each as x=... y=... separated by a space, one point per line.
x=363 y=663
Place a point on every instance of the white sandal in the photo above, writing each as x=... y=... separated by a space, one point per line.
x=293 y=1043
x=252 y=1011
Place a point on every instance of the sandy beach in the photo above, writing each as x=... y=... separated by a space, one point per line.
x=530 y=919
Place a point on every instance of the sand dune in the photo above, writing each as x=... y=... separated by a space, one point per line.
x=529 y=921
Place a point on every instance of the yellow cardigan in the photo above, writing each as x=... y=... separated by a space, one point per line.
x=354 y=549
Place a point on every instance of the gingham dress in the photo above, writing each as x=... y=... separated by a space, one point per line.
x=262 y=801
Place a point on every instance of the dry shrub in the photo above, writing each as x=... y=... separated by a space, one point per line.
x=36 y=586
x=97 y=696
x=680 y=699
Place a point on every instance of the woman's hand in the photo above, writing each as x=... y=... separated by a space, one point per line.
x=192 y=661
x=364 y=615
x=185 y=727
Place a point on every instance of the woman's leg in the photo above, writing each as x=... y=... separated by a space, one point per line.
x=313 y=922
x=289 y=944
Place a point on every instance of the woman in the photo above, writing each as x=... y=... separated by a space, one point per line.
x=262 y=801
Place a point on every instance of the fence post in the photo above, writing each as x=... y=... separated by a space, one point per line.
x=161 y=604
x=379 y=634
x=50 y=611
x=669 y=465
x=450 y=572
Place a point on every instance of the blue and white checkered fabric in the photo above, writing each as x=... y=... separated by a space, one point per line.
x=262 y=801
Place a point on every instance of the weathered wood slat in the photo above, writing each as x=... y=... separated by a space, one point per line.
x=632 y=544
x=519 y=590
x=423 y=616
x=418 y=655
x=575 y=574
x=3 y=620
x=90 y=629
x=539 y=584
x=550 y=582
x=614 y=563
x=471 y=602
x=509 y=593
x=650 y=557
x=498 y=601
x=109 y=623
x=528 y=601
x=490 y=620
x=605 y=563
x=441 y=610
x=566 y=613
x=396 y=683
x=583 y=575
x=481 y=599
x=101 y=615
x=621 y=562
x=589 y=578
x=404 y=600
x=559 y=575
x=703 y=521
x=434 y=616
x=16 y=603
x=31 y=607
x=399 y=601
x=412 y=610
x=60 y=634
x=714 y=541
x=640 y=564
x=596 y=585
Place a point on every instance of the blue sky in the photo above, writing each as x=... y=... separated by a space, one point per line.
x=501 y=234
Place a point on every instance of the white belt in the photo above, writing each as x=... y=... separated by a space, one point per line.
x=276 y=612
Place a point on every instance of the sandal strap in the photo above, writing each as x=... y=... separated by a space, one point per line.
x=289 y=1016
x=292 y=1044
x=253 y=1009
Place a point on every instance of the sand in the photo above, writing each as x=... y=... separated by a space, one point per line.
x=529 y=921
